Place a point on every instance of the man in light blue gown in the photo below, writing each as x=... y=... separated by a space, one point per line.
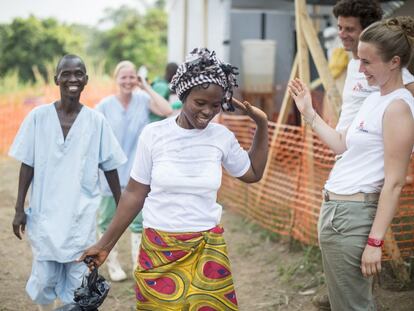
x=61 y=146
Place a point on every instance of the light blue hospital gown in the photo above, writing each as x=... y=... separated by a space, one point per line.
x=127 y=125
x=61 y=217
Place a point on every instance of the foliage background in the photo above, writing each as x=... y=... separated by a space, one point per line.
x=30 y=47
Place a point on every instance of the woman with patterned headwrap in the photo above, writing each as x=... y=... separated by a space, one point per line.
x=183 y=262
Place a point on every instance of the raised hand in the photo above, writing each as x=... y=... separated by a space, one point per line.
x=142 y=82
x=302 y=97
x=255 y=113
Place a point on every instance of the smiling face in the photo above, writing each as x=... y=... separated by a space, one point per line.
x=376 y=71
x=71 y=77
x=349 y=29
x=126 y=79
x=201 y=106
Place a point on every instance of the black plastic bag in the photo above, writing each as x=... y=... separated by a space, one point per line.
x=91 y=294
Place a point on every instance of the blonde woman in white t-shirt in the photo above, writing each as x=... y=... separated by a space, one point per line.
x=362 y=193
x=183 y=262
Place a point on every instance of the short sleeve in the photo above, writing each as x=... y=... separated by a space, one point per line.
x=100 y=107
x=237 y=161
x=407 y=77
x=23 y=147
x=142 y=167
x=111 y=155
x=143 y=98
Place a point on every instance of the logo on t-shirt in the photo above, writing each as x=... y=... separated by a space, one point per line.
x=360 y=88
x=361 y=128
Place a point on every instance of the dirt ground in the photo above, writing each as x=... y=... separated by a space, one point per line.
x=269 y=274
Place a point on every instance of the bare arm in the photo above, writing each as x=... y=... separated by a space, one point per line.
x=260 y=145
x=130 y=204
x=409 y=177
x=302 y=97
x=113 y=182
x=158 y=105
x=25 y=179
x=398 y=133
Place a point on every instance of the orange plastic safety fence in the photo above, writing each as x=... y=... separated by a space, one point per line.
x=14 y=107
x=288 y=198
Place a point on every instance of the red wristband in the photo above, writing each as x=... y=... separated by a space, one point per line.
x=375 y=242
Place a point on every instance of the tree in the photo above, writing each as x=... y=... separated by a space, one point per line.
x=33 y=43
x=140 y=38
x=30 y=46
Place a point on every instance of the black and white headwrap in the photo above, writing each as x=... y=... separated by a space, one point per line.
x=203 y=67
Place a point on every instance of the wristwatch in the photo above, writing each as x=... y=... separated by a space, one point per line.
x=375 y=242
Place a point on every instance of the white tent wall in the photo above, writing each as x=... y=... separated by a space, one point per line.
x=197 y=23
x=176 y=24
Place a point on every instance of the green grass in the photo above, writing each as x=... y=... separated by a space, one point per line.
x=265 y=235
x=303 y=273
x=306 y=271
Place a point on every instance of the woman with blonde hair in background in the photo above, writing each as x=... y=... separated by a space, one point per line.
x=127 y=112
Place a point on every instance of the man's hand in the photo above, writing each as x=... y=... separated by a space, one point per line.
x=19 y=224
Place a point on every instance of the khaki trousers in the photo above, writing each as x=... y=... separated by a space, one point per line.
x=343 y=230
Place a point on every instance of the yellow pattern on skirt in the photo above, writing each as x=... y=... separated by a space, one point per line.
x=184 y=271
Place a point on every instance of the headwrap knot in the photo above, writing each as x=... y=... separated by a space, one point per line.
x=201 y=67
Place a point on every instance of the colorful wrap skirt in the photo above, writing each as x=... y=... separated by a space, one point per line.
x=184 y=271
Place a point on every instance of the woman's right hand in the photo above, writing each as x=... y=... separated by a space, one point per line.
x=302 y=97
x=97 y=253
x=258 y=116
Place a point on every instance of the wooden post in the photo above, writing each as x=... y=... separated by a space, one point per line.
x=304 y=75
x=321 y=64
x=316 y=10
x=287 y=99
x=282 y=118
x=303 y=54
x=304 y=72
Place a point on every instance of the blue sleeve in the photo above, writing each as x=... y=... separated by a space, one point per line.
x=111 y=155
x=143 y=97
x=100 y=106
x=23 y=147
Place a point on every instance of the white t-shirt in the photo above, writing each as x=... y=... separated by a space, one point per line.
x=361 y=168
x=183 y=168
x=356 y=89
